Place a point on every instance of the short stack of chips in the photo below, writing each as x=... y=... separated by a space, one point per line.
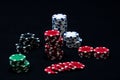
x=65 y=66
x=85 y=51
x=72 y=39
x=27 y=42
x=53 y=44
x=101 y=52
x=18 y=63
x=59 y=22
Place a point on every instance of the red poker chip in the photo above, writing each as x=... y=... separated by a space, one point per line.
x=50 y=47
x=51 y=35
x=62 y=67
x=78 y=65
x=49 y=70
x=101 y=50
x=54 y=52
x=56 y=67
x=57 y=43
x=67 y=66
x=85 y=49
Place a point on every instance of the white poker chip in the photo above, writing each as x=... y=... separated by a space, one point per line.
x=59 y=16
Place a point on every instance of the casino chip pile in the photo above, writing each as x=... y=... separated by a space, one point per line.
x=18 y=63
x=72 y=39
x=65 y=66
x=27 y=42
x=53 y=44
x=59 y=22
x=53 y=48
x=101 y=52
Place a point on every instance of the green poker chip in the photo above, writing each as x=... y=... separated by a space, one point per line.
x=17 y=57
x=26 y=63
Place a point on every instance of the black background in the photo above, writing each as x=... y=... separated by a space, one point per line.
x=92 y=19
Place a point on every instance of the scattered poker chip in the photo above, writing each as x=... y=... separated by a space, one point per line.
x=59 y=22
x=65 y=66
x=18 y=63
x=77 y=65
x=49 y=70
x=101 y=52
x=56 y=67
x=85 y=51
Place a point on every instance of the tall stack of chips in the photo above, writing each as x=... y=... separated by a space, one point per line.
x=27 y=42
x=18 y=63
x=59 y=22
x=53 y=45
x=72 y=39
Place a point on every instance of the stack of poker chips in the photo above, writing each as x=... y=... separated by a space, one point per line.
x=53 y=44
x=65 y=66
x=18 y=63
x=27 y=42
x=59 y=22
x=72 y=39
x=101 y=52
x=85 y=51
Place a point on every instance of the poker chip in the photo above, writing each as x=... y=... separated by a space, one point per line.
x=51 y=35
x=65 y=66
x=59 y=22
x=101 y=52
x=49 y=70
x=56 y=67
x=71 y=36
x=72 y=39
x=18 y=63
x=23 y=48
x=85 y=51
x=26 y=38
x=77 y=65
